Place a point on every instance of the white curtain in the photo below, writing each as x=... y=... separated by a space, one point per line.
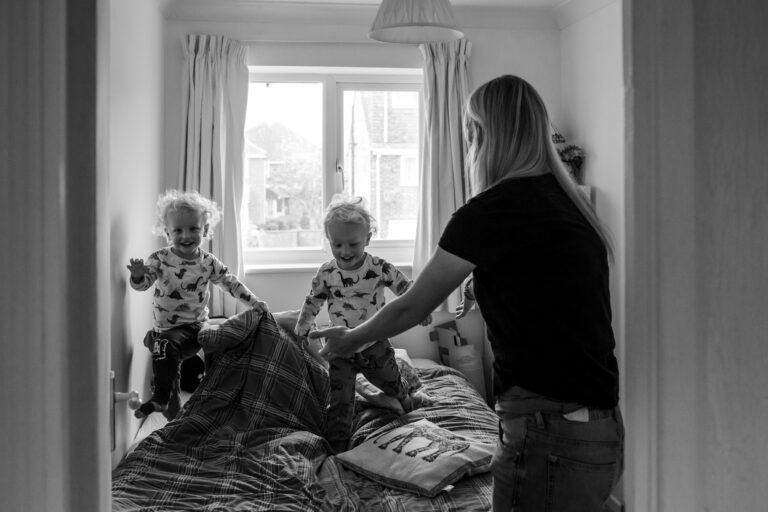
x=215 y=92
x=444 y=184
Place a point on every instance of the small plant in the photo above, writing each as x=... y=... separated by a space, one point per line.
x=571 y=155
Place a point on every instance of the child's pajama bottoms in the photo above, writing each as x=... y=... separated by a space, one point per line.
x=379 y=366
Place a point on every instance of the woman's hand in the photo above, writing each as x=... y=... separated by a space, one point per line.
x=339 y=342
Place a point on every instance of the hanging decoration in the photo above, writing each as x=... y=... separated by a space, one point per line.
x=571 y=155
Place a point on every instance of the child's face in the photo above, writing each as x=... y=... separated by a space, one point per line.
x=348 y=242
x=185 y=230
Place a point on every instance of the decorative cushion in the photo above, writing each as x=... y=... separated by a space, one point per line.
x=418 y=457
x=456 y=352
x=449 y=342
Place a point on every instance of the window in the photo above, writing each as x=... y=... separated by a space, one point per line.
x=310 y=135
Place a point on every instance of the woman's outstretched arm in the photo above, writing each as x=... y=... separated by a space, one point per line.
x=443 y=273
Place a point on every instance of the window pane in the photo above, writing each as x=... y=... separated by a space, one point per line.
x=283 y=199
x=381 y=151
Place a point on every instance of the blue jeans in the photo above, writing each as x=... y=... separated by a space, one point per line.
x=545 y=462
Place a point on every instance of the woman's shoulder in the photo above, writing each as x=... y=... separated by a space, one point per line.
x=479 y=203
x=512 y=192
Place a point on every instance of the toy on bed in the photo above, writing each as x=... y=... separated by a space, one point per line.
x=251 y=437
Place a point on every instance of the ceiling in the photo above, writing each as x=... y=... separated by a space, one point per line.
x=469 y=13
x=468 y=3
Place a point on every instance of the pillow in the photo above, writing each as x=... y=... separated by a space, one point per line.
x=401 y=353
x=287 y=321
x=456 y=352
x=423 y=362
x=418 y=457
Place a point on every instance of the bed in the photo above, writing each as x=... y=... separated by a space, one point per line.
x=250 y=437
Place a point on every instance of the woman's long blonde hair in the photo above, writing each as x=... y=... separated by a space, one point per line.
x=508 y=136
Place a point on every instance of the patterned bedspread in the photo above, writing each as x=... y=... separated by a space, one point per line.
x=250 y=438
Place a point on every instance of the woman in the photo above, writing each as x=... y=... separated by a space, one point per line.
x=539 y=260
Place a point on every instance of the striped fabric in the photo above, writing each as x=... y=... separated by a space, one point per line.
x=250 y=437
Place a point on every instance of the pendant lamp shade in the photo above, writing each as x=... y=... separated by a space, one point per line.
x=414 y=22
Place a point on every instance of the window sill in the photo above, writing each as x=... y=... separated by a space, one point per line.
x=286 y=268
x=280 y=268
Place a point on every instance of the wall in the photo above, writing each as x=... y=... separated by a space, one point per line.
x=504 y=40
x=592 y=92
x=135 y=172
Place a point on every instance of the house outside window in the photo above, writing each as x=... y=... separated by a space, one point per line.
x=311 y=136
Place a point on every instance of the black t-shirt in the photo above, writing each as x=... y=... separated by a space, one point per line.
x=541 y=282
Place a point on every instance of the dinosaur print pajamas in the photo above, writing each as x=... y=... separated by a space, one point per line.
x=353 y=296
x=179 y=309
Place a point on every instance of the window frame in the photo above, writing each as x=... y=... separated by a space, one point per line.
x=336 y=80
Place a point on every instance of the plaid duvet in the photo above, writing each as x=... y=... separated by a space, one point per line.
x=250 y=437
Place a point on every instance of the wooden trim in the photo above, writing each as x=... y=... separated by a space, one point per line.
x=54 y=366
x=86 y=221
x=661 y=342
x=642 y=272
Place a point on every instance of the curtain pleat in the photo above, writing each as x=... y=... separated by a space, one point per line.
x=215 y=89
x=444 y=183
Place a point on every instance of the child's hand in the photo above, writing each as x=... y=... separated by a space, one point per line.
x=426 y=321
x=260 y=306
x=465 y=307
x=138 y=269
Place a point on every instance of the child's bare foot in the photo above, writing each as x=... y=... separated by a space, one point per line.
x=148 y=408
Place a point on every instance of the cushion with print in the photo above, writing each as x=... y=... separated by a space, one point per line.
x=418 y=456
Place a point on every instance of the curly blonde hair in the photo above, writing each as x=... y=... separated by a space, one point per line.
x=349 y=211
x=175 y=200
